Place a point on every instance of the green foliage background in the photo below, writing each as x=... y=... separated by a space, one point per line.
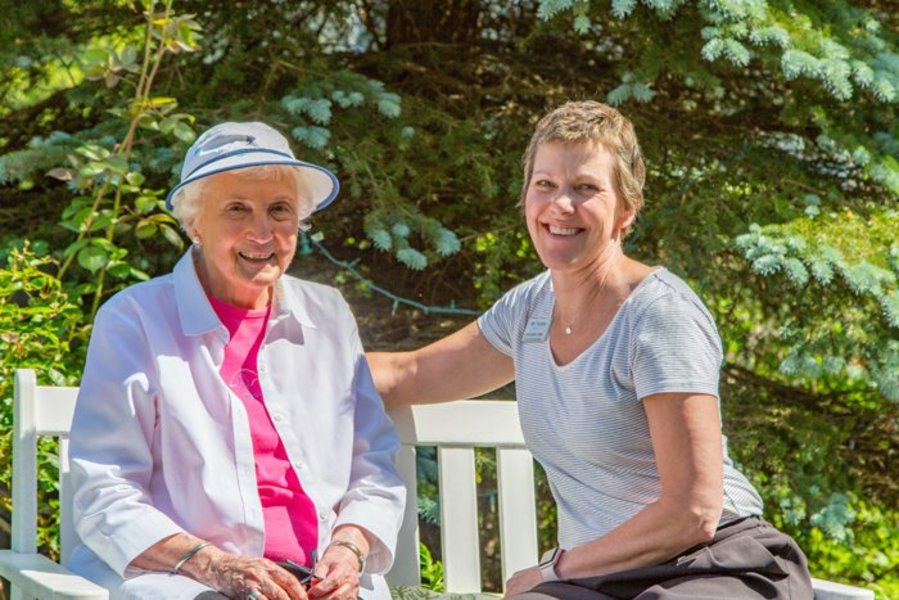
x=769 y=129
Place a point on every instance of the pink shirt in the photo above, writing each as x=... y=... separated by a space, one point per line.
x=291 y=526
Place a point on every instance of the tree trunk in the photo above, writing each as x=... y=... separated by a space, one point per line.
x=447 y=22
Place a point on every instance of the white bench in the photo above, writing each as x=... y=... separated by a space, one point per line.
x=455 y=429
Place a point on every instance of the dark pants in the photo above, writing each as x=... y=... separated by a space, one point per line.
x=746 y=559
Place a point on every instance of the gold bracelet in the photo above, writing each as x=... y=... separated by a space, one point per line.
x=187 y=556
x=352 y=548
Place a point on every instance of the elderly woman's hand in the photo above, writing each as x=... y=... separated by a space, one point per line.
x=341 y=564
x=338 y=574
x=244 y=577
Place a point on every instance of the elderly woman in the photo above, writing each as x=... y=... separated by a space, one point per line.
x=227 y=431
x=616 y=369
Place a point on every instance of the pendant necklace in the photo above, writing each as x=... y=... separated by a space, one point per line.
x=584 y=308
x=568 y=327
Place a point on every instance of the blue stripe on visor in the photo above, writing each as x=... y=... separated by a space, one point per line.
x=237 y=153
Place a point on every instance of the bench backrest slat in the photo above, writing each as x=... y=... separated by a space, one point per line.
x=24 y=464
x=68 y=539
x=456 y=428
x=517 y=509
x=40 y=411
x=459 y=519
x=406 y=570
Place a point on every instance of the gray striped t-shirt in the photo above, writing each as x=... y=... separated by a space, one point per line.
x=585 y=422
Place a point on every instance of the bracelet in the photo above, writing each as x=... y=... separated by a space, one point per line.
x=187 y=556
x=354 y=549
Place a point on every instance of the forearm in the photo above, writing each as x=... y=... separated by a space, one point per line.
x=658 y=533
x=462 y=365
x=234 y=575
x=686 y=440
x=406 y=378
x=165 y=554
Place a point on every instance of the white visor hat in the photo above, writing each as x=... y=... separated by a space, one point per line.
x=232 y=145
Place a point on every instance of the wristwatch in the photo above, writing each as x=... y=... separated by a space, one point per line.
x=548 y=564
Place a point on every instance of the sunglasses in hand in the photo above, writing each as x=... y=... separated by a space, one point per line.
x=303 y=574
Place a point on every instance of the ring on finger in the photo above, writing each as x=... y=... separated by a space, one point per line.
x=253 y=595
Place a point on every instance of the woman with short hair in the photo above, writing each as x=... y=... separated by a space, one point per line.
x=616 y=371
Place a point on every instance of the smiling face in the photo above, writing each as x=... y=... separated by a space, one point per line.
x=573 y=211
x=247 y=233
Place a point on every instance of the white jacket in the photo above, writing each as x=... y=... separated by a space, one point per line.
x=160 y=444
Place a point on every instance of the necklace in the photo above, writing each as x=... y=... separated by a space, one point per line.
x=592 y=297
x=568 y=327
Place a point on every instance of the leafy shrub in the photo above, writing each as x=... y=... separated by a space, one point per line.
x=40 y=329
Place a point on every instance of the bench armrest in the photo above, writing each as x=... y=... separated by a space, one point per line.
x=830 y=590
x=39 y=577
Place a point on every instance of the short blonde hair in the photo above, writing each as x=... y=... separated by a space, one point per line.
x=187 y=202
x=593 y=123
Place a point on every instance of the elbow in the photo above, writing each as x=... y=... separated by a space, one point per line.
x=392 y=396
x=392 y=402
x=705 y=517
x=705 y=532
x=393 y=375
x=380 y=365
x=697 y=520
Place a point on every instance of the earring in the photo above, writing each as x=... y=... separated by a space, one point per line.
x=196 y=242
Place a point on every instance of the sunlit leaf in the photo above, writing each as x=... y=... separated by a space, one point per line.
x=160 y=100
x=92 y=258
x=61 y=173
x=145 y=230
x=135 y=178
x=172 y=236
x=184 y=132
x=119 y=270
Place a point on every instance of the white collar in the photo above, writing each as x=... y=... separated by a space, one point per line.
x=197 y=315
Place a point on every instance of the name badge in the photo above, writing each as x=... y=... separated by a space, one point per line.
x=536 y=330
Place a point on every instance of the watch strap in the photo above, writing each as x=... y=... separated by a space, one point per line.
x=548 y=565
